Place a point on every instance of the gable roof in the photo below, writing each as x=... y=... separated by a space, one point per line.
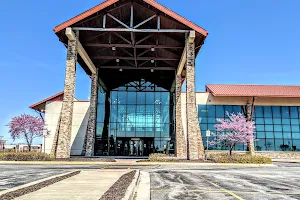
x=108 y=3
x=253 y=90
x=40 y=106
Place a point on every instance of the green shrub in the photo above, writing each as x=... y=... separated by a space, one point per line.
x=239 y=158
x=158 y=157
x=25 y=156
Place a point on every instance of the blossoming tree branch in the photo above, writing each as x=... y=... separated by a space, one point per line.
x=233 y=131
x=27 y=127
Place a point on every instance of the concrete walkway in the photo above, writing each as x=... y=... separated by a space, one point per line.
x=88 y=185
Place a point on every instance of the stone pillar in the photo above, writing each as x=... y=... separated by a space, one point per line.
x=249 y=117
x=194 y=139
x=181 y=147
x=65 y=129
x=91 y=128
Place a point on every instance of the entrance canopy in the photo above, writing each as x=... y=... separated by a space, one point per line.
x=129 y=40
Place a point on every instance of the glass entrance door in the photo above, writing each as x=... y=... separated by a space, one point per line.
x=134 y=146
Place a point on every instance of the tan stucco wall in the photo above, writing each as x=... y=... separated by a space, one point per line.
x=207 y=98
x=81 y=113
x=79 y=124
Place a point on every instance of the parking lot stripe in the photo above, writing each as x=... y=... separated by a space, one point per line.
x=223 y=189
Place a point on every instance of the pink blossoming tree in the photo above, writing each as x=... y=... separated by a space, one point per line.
x=27 y=127
x=233 y=131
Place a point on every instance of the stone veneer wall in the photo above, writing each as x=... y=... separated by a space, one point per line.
x=55 y=139
x=194 y=139
x=249 y=118
x=181 y=148
x=91 y=128
x=64 y=135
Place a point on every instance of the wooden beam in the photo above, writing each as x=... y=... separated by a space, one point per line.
x=117 y=20
x=133 y=58
x=143 y=39
x=182 y=62
x=104 y=21
x=145 y=21
x=139 y=68
x=85 y=57
x=131 y=29
x=120 y=36
x=130 y=46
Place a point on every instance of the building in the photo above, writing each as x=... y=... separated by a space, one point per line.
x=2 y=143
x=138 y=54
x=276 y=112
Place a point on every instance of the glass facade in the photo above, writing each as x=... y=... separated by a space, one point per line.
x=277 y=127
x=134 y=119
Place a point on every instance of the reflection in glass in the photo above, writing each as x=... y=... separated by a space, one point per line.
x=273 y=123
x=139 y=113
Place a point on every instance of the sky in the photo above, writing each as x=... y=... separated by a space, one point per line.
x=249 y=42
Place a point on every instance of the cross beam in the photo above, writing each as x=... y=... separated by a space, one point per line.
x=133 y=58
x=85 y=57
x=140 y=68
x=131 y=30
x=130 y=46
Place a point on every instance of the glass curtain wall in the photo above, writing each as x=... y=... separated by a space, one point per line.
x=134 y=120
x=277 y=127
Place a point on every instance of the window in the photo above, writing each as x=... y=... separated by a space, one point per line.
x=267 y=111
x=220 y=112
x=258 y=111
x=211 y=111
x=277 y=127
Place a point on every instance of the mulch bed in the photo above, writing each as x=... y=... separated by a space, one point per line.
x=35 y=187
x=176 y=161
x=118 y=189
x=83 y=159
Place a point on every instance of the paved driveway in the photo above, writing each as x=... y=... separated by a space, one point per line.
x=281 y=182
x=15 y=175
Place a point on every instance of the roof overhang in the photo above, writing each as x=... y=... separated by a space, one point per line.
x=132 y=37
x=41 y=105
x=266 y=91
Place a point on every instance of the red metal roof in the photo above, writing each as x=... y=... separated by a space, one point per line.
x=253 y=90
x=55 y=97
x=108 y=3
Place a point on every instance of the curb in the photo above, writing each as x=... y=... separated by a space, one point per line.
x=34 y=183
x=55 y=163
x=286 y=160
x=206 y=164
x=143 y=189
x=130 y=192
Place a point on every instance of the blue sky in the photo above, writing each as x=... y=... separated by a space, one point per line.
x=249 y=42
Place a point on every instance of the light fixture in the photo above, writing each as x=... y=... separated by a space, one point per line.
x=152 y=61
x=152 y=49
x=120 y=69
x=113 y=48
x=152 y=70
x=117 y=60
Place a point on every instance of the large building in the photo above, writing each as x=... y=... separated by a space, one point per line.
x=138 y=54
x=140 y=121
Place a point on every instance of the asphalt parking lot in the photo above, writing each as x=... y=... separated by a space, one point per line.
x=281 y=182
x=15 y=175
x=185 y=181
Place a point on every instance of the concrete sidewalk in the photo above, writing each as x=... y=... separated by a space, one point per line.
x=88 y=185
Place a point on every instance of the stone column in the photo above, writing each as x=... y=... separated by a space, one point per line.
x=249 y=117
x=194 y=139
x=91 y=128
x=181 y=147
x=65 y=129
